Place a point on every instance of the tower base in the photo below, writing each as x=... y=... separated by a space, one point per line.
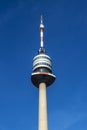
x=40 y=77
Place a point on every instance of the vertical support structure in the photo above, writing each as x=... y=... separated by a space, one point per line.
x=42 y=77
x=42 y=121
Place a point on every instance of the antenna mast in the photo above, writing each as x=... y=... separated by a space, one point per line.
x=42 y=49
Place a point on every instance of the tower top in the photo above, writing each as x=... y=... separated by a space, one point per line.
x=41 y=22
x=41 y=19
x=42 y=49
x=42 y=64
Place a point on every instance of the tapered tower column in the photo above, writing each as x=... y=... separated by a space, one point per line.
x=42 y=121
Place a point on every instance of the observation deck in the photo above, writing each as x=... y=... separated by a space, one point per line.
x=42 y=70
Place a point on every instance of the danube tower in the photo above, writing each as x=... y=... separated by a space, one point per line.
x=42 y=77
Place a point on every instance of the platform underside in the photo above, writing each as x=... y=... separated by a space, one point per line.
x=40 y=77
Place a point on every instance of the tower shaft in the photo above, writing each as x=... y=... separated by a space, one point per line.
x=42 y=121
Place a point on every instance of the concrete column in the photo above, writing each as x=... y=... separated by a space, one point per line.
x=42 y=121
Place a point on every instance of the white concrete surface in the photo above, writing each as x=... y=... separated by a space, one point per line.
x=42 y=119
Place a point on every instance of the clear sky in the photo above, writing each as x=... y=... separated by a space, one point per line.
x=65 y=42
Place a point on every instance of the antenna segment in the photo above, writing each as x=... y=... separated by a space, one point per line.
x=41 y=32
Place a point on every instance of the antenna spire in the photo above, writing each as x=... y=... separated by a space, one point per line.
x=41 y=32
x=41 y=50
x=41 y=19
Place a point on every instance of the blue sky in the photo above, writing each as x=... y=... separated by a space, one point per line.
x=65 y=42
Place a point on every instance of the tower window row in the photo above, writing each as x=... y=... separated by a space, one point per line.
x=42 y=64
x=43 y=57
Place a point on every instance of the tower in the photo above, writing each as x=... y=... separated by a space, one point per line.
x=42 y=77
